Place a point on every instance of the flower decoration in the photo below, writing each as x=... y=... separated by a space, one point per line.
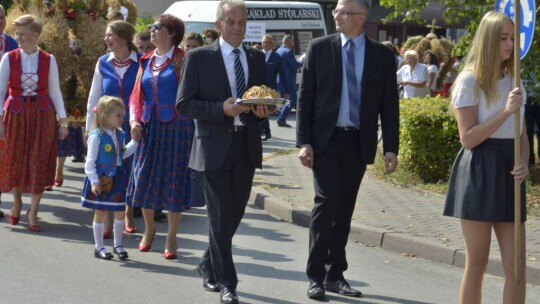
x=124 y=148
x=107 y=148
x=70 y=13
x=177 y=61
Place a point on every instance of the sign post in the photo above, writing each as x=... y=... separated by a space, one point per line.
x=524 y=22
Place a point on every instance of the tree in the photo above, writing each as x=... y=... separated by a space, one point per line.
x=457 y=10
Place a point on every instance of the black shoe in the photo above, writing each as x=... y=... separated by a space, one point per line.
x=266 y=136
x=315 y=290
x=283 y=124
x=209 y=282
x=228 y=296
x=342 y=287
x=78 y=159
x=121 y=252
x=159 y=215
x=102 y=254
x=137 y=212
x=1 y=214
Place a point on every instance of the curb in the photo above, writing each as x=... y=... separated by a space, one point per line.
x=386 y=239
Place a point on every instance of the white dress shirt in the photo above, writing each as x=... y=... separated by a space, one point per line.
x=267 y=55
x=29 y=86
x=228 y=59
x=93 y=150
x=97 y=86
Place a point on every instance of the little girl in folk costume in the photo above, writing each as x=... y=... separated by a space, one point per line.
x=106 y=150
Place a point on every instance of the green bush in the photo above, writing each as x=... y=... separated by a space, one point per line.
x=429 y=139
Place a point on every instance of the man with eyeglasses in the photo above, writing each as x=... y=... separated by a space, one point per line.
x=348 y=81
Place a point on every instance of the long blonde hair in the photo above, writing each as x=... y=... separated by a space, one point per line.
x=106 y=105
x=484 y=55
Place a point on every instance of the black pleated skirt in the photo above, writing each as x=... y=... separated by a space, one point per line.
x=481 y=187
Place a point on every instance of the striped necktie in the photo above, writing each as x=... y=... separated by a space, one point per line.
x=241 y=86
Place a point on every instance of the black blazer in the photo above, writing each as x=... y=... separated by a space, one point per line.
x=203 y=89
x=320 y=96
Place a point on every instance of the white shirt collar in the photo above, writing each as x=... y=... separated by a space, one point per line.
x=226 y=48
x=34 y=54
x=167 y=55
x=132 y=56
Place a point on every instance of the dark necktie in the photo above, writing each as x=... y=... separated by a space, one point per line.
x=241 y=86
x=352 y=85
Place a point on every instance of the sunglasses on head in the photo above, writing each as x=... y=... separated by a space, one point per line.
x=156 y=26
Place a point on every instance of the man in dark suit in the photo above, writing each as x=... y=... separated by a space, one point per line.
x=291 y=66
x=227 y=144
x=274 y=67
x=338 y=111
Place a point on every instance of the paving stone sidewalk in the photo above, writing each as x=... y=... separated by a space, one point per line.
x=405 y=220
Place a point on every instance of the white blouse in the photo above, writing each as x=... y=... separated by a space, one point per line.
x=30 y=66
x=463 y=96
x=97 y=87
x=419 y=74
x=93 y=150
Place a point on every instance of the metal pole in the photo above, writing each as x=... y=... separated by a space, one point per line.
x=517 y=146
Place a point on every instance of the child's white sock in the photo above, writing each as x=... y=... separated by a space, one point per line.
x=118 y=232
x=98 y=234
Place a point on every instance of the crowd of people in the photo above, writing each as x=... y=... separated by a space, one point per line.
x=150 y=101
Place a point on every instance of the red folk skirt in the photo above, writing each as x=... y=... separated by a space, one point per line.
x=28 y=153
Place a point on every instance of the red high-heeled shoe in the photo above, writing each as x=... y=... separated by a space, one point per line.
x=35 y=228
x=107 y=234
x=147 y=247
x=58 y=182
x=169 y=255
x=13 y=220
x=47 y=188
x=128 y=229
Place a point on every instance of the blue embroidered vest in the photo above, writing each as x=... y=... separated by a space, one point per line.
x=113 y=86
x=108 y=159
x=166 y=89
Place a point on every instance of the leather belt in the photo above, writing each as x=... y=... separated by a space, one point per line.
x=238 y=129
x=347 y=129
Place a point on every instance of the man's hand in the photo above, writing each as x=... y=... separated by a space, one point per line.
x=231 y=109
x=262 y=110
x=306 y=156
x=390 y=162
x=136 y=131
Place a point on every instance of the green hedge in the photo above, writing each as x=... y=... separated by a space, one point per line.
x=429 y=139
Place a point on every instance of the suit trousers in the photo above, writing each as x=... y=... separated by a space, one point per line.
x=226 y=192
x=337 y=174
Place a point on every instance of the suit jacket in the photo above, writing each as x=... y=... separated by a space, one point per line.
x=203 y=88
x=290 y=65
x=274 y=67
x=320 y=96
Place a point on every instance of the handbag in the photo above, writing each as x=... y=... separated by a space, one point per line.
x=105 y=183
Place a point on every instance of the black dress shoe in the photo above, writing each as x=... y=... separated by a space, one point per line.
x=78 y=159
x=121 y=252
x=266 y=136
x=1 y=214
x=102 y=254
x=209 y=282
x=228 y=296
x=342 y=287
x=283 y=124
x=315 y=290
x=159 y=215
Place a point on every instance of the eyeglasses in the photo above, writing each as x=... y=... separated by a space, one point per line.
x=156 y=26
x=335 y=13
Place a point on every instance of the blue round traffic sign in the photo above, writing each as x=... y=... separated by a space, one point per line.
x=528 y=19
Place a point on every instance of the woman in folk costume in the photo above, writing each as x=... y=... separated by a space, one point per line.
x=7 y=43
x=105 y=184
x=115 y=76
x=160 y=178
x=28 y=128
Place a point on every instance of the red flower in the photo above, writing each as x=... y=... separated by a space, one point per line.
x=49 y=12
x=92 y=14
x=70 y=13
